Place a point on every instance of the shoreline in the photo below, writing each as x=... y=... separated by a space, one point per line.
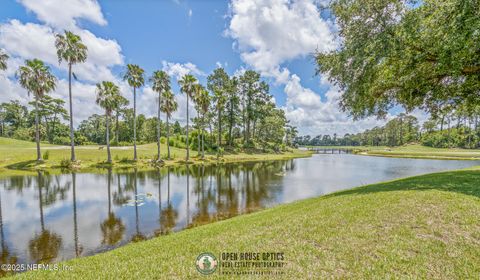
x=148 y=165
x=371 y=204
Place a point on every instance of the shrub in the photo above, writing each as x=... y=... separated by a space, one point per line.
x=65 y=163
x=61 y=140
x=23 y=134
x=46 y=155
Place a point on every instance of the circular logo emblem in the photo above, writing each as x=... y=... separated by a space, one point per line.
x=206 y=263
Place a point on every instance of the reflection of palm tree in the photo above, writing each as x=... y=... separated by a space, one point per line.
x=5 y=257
x=138 y=236
x=78 y=249
x=168 y=215
x=45 y=246
x=120 y=197
x=112 y=228
x=159 y=177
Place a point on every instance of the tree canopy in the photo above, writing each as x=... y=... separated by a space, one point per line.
x=417 y=54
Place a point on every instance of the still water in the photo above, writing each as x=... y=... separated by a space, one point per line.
x=49 y=218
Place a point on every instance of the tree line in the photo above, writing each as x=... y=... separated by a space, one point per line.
x=232 y=112
x=455 y=129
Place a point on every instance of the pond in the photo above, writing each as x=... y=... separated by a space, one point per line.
x=49 y=218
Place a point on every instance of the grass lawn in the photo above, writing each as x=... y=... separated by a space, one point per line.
x=413 y=151
x=423 y=227
x=18 y=155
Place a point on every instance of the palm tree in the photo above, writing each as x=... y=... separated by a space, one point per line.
x=36 y=78
x=203 y=100
x=160 y=84
x=187 y=85
x=169 y=105
x=71 y=49
x=135 y=78
x=3 y=60
x=107 y=98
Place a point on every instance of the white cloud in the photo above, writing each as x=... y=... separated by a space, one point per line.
x=178 y=70
x=190 y=13
x=312 y=115
x=32 y=40
x=268 y=33
x=63 y=14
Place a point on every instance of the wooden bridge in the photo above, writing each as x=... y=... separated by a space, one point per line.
x=326 y=150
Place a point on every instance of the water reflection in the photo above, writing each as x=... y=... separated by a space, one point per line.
x=49 y=218
x=44 y=246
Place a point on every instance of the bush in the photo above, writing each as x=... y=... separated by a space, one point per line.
x=65 y=163
x=61 y=140
x=23 y=134
x=46 y=155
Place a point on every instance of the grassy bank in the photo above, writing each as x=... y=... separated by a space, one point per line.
x=422 y=227
x=17 y=156
x=413 y=151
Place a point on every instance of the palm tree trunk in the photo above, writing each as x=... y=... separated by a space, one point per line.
x=168 y=137
x=158 y=129
x=134 y=124
x=72 y=140
x=37 y=131
x=188 y=148
x=109 y=156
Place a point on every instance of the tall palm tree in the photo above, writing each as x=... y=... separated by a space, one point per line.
x=71 y=49
x=3 y=60
x=107 y=98
x=135 y=76
x=160 y=84
x=169 y=105
x=36 y=78
x=203 y=100
x=187 y=86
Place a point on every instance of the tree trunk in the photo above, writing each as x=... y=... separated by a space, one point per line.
x=46 y=129
x=72 y=139
x=53 y=125
x=37 y=131
x=188 y=148
x=116 y=127
x=134 y=124
x=168 y=136
x=203 y=136
x=109 y=156
x=158 y=130
x=219 y=128
x=230 y=128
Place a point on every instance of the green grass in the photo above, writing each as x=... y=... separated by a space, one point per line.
x=422 y=227
x=414 y=151
x=17 y=156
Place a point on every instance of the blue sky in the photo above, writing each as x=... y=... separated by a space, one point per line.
x=275 y=37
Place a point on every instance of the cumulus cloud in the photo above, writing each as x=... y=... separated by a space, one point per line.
x=36 y=40
x=178 y=70
x=64 y=14
x=269 y=33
